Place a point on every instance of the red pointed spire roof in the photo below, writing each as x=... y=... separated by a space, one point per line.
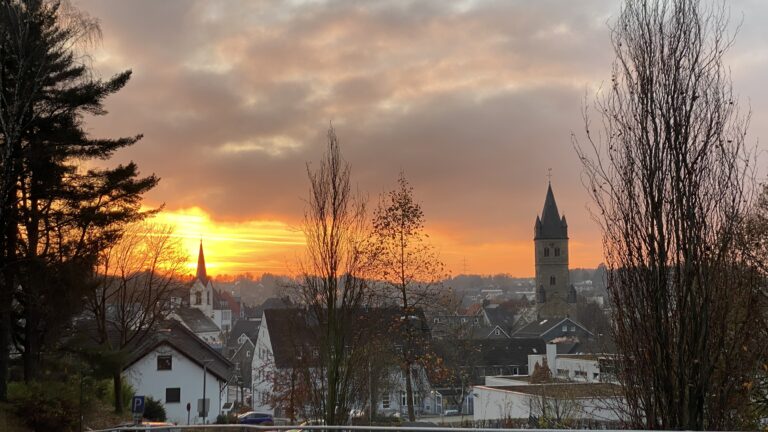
x=202 y=274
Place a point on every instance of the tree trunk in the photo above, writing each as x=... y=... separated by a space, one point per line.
x=409 y=392
x=117 y=383
x=5 y=333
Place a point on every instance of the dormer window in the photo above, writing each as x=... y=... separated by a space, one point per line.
x=546 y=251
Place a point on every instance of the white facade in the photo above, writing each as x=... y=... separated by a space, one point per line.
x=501 y=404
x=262 y=368
x=185 y=375
x=578 y=368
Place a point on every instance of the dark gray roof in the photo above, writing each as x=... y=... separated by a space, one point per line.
x=494 y=352
x=539 y=328
x=550 y=225
x=510 y=351
x=174 y=334
x=293 y=332
x=499 y=316
x=196 y=320
x=248 y=327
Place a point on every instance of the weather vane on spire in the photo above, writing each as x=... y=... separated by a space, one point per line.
x=549 y=175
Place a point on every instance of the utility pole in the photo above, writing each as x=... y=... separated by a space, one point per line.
x=205 y=378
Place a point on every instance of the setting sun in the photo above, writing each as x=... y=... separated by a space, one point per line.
x=234 y=247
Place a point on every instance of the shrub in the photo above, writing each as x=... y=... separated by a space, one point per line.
x=127 y=392
x=230 y=418
x=154 y=410
x=47 y=405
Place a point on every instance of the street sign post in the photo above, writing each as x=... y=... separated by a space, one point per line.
x=137 y=408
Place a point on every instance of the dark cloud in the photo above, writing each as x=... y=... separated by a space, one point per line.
x=474 y=100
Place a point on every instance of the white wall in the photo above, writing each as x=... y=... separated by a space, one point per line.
x=570 y=368
x=506 y=381
x=263 y=363
x=497 y=404
x=146 y=380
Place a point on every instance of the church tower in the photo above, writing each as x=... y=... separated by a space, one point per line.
x=554 y=292
x=201 y=295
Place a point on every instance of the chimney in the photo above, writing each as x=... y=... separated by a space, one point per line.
x=552 y=357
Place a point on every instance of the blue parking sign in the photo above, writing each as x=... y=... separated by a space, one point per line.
x=137 y=405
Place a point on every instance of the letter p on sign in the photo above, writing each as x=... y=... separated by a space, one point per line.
x=137 y=405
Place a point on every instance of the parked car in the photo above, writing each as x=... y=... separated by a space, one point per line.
x=256 y=418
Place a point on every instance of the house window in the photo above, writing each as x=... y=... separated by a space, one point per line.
x=557 y=251
x=565 y=328
x=551 y=280
x=225 y=315
x=208 y=297
x=562 y=373
x=164 y=362
x=173 y=395
x=581 y=374
x=573 y=328
x=546 y=251
x=247 y=353
x=385 y=400
x=497 y=332
x=198 y=298
x=595 y=376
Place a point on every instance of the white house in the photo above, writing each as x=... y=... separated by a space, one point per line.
x=285 y=342
x=573 y=367
x=577 y=402
x=176 y=367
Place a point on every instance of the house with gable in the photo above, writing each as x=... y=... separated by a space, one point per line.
x=177 y=368
x=240 y=347
x=286 y=342
x=557 y=329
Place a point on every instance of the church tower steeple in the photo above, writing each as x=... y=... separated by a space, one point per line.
x=202 y=274
x=553 y=289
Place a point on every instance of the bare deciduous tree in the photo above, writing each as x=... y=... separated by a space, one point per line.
x=410 y=270
x=133 y=286
x=333 y=284
x=670 y=176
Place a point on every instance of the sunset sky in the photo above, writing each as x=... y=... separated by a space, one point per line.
x=474 y=100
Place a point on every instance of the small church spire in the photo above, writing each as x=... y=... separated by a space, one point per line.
x=202 y=275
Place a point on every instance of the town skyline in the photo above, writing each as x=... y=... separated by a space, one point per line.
x=474 y=101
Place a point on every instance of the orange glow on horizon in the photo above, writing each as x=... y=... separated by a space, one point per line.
x=272 y=246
